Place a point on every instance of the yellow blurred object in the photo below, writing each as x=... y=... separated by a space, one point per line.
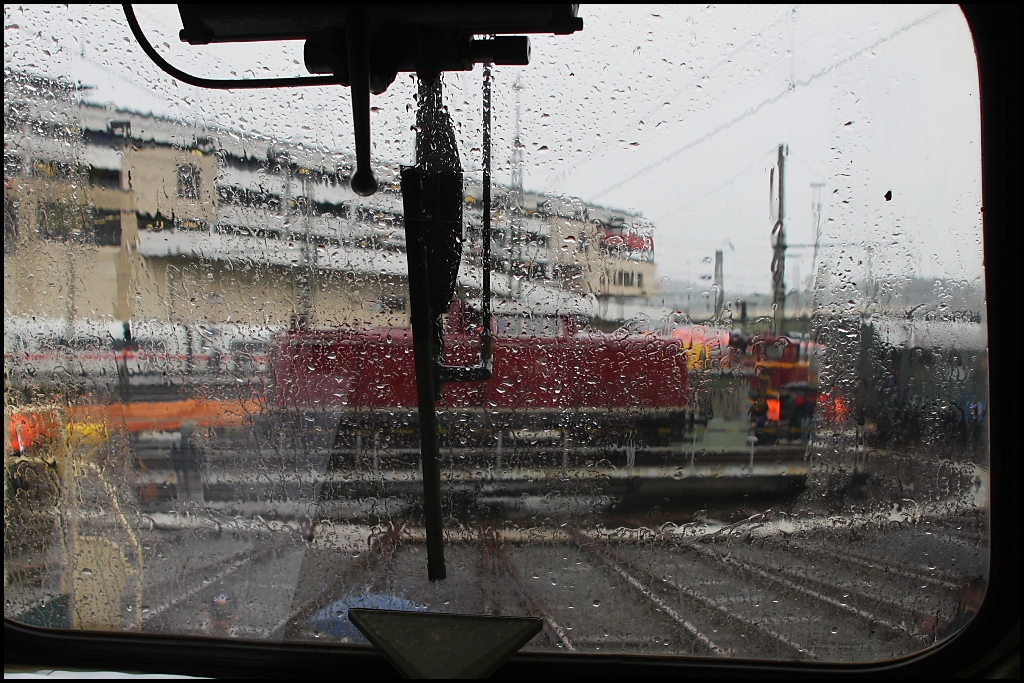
x=87 y=433
x=60 y=459
x=98 y=571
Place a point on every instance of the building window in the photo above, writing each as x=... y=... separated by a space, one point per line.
x=59 y=220
x=10 y=225
x=390 y=304
x=105 y=177
x=121 y=129
x=107 y=228
x=188 y=181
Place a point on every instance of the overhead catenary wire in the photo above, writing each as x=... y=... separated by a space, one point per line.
x=756 y=108
x=717 y=188
x=727 y=59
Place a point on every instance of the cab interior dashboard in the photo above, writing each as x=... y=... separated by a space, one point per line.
x=988 y=647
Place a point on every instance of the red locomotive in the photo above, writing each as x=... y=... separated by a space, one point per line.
x=550 y=380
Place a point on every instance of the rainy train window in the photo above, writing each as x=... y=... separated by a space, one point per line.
x=737 y=395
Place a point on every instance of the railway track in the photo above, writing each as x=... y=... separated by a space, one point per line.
x=628 y=590
x=250 y=576
x=655 y=580
x=624 y=593
x=751 y=589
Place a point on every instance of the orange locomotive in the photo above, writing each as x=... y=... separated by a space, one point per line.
x=783 y=380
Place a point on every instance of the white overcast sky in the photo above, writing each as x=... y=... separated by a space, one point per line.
x=672 y=111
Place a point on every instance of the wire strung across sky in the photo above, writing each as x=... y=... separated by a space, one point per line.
x=727 y=59
x=750 y=111
x=693 y=202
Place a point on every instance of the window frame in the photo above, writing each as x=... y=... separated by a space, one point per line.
x=979 y=650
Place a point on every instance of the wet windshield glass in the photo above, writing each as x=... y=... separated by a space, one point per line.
x=738 y=394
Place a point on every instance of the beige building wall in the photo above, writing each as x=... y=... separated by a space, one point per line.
x=172 y=182
x=64 y=276
x=51 y=269
x=343 y=299
x=58 y=280
x=187 y=290
x=584 y=266
x=37 y=281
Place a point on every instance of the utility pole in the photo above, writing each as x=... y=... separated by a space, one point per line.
x=719 y=285
x=309 y=256
x=516 y=194
x=779 y=242
x=126 y=264
x=816 y=192
x=303 y=303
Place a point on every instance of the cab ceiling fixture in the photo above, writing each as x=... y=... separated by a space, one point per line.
x=364 y=47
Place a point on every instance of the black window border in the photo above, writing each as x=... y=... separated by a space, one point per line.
x=989 y=646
